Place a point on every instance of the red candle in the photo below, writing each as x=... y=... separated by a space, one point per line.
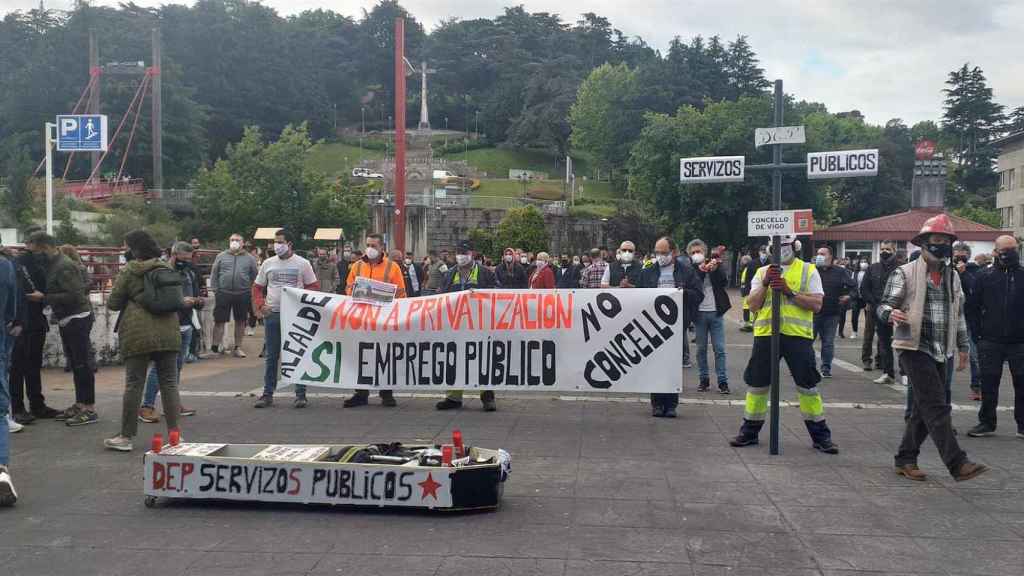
x=158 y=442
x=446 y=455
x=175 y=435
x=457 y=441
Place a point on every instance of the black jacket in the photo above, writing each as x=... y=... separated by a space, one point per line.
x=968 y=279
x=994 y=305
x=616 y=272
x=874 y=281
x=511 y=278
x=190 y=288
x=343 y=265
x=570 y=276
x=719 y=282
x=751 y=269
x=35 y=320
x=837 y=282
x=685 y=278
x=484 y=279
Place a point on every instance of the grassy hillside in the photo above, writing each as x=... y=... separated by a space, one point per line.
x=334 y=158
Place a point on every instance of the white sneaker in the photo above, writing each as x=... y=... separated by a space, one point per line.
x=119 y=443
x=7 y=494
x=854 y=336
x=884 y=379
x=12 y=426
x=238 y=353
x=904 y=381
x=250 y=331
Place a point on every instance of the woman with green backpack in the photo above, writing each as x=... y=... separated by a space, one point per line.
x=148 y=293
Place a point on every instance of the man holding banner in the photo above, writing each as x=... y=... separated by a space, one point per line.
x=800 y=286
x=375 y=266
x=467 y=275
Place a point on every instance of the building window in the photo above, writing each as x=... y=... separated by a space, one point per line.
x=1011 y=179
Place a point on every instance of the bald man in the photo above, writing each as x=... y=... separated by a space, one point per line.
x=996 y=302
x=625 y=271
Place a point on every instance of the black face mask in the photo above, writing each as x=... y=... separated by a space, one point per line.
x=960 y=259
x=1009 y=258
x=939 y=251
x=182 y=264
x=128 y=256
x=885 y=255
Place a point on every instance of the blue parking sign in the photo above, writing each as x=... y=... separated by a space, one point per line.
x=76 y=132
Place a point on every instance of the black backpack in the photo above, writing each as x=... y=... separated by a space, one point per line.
x=162 y=291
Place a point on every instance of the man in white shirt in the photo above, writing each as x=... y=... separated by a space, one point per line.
x=285 y=268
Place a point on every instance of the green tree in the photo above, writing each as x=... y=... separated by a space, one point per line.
x=972 y=120
x=131 y=213
x=980 y=214
x=17 y=198
x=544 y=121
x=1016 y=120
x=482 y=241
x=523 y=228
x=271 y=184
x=605 y=120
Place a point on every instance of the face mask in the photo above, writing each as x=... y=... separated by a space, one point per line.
x=863 y=265
x=541 y=264
x=372 y=253
x=235 y=244
x=281 y=249
x=408 y=262
x=1009 y=258
x=664 y=259
x=443 y=268
x=463 y=260
x=819 y=260
x=180 y=264
x=524 y=260
x=508 y=258
x=576 y=261
x=763 y=257
x=787 y=254
x=940 y=251
x=885 y=255
x=697 y=258
x=346 y=254
x=625 y=257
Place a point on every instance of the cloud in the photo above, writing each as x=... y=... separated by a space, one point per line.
x=886 y=58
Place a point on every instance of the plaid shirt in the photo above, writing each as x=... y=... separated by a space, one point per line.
x=591 y=275
x=935 y=318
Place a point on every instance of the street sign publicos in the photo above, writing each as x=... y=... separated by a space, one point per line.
x=842 y=164
x=780 y=223
x=711 y=169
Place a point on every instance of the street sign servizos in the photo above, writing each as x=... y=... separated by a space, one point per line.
x=842 y=164
x=78 y=132
x=711 y=169
x=780 y=223
x=779 y=135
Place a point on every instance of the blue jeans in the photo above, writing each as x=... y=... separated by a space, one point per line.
x=950 y=366
x=825 y=327
x=6 y=345
x=715 y=324
x=272 y=341
x=153 y=383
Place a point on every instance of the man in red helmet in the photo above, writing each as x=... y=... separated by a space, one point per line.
x=924 y=302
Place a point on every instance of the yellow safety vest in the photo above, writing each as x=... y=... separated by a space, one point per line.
x=743 y=280
x=796 y=321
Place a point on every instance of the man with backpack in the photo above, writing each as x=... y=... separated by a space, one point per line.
x=148 y=294
x=375 y=265
x=284 y=269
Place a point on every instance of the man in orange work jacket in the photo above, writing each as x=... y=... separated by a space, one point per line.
x=375 y=266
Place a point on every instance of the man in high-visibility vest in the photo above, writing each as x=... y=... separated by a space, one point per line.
x=746 y=276
x=801 y=289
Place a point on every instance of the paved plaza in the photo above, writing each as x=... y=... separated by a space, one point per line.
x=597 y=488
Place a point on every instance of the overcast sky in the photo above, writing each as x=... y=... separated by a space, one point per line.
x=887 y=58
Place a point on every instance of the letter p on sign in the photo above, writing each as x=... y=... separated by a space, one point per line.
x=68 y=126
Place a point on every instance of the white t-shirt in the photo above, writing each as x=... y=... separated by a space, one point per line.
x=275 y=273
x=666 y=276
x=813 y=284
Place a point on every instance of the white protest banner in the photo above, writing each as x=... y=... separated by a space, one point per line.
x=842 y=164
x=614 y=340
x=711 y=169
x=182 y=476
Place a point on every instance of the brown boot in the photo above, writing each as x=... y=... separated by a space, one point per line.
x=911 y=472
x=148 y=415
x=969 y=470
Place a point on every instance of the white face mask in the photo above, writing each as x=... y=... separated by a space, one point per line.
x=463 y=259
x=787 y=254
x=408 y=262
x=508 y=258
x=625 y=257
x=863 y=265
x=819 y=260
x=524 y=260
x=372 y=253
x=575 y=261
x=541 y=264
x=235 y=244
x=697 y=258
x=664 y=259
x=281 y=249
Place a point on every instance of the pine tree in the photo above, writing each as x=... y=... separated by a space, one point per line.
x=1016 y=123
x=746 y=78
x=972 y=120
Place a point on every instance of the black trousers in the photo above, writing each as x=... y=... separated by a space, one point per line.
x=991 y=356
x=666 y=401
x=26 y=372
x=930 y=414
x=76 y=338
x=885 y=356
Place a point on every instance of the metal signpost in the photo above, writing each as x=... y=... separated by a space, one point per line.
x=74 y=133
x=779 y=223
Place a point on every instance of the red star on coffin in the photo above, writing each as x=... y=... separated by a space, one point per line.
x=429 y=486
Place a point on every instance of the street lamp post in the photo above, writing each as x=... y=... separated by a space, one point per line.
x=476 y=124
x=445 y=132
x=362 y=132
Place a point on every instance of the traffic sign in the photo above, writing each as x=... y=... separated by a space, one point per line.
x=780 y=223
x=77 y=132
x=779 y=135
x=842 y=164
x=711 y=169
